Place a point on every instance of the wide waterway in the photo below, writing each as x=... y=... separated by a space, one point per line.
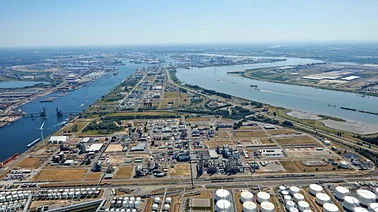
x=15 y=137
x=294 y=97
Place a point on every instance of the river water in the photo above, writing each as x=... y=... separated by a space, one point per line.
x=289 y=96
x=15 y=137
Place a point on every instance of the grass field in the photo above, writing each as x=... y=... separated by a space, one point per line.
x=93 y=176
x=60 y=175
x=298 y=167
x=180 y=170
x=29 y=163
x=124 y=172
x=255 y=133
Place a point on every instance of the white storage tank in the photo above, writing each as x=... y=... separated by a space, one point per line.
x=366 y=197
x=287 y=198
x=290 y=204
x=373 y=207
x=249 y=206
x=293 y=210
x=140 y=199
x=341 y=192
x=155 y=206
x=132 y=199
x=322 y=198
x=284 y=193
x=166 y=207
x=167 y=200
x=344 y=165
x=223 y=205
x=136 y=204
x=308 y=210
x=282 y=188
x=133 y=210
x=330 y=207
x=222 y=194
x=125 y=204
x=350 y=203
x=303 y=205
x=267 y=207
x=156 y=200
x=263 y=197
x=298 y=197
x=293 y=190
x=131 y=204
x=315 y=189
x=246 y=196
x=360 y=209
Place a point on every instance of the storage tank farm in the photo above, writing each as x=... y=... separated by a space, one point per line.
x=223 y=201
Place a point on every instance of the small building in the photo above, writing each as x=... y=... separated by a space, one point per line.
x=277 y=153
x=108 y=176
x=213 y=154
x=68 y=162
x=95 y=147
x=58 y=139
x=85 y=140
x=139 y=147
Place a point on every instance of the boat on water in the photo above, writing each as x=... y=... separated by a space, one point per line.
x=63 y=123
x=8 y=160
x=253 y=86
x=32 y=143
x=115 y=73
x=50 y=99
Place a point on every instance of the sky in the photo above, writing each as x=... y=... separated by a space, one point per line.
x=25 y=23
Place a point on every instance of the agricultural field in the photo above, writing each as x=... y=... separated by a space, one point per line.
x=60 y=175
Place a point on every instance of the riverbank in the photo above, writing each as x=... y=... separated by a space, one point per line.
x=244 y=74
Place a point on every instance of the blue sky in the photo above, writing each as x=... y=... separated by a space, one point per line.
x=83 y=22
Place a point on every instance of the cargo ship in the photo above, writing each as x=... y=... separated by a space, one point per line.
x=50 y=99
x=32 y=143
x=8 y=160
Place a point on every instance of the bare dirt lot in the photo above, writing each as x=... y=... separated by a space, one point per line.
x=29 y=163
x=297 y=140
x=60 y=175
x=93 y=176
x=180 y=170
x=124 y=172
x=114 y=148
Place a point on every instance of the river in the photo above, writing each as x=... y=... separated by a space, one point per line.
x=15 y=137
x=293 y=97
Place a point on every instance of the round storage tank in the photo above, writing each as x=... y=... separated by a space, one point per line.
x=282 y=188
x=249 y=206
x=329 y=207
x=246 y=196
x=294 y=190
x=293 y=210
x=287 y=198
x=344 y=165
x=223 y=205
x=298 y=197
x=373 y=207
x=136 y=204
x=155 y=206
x=167 y=207
x=157 y=200
x=303 y=205
x=263 y=197
x=366 y=197
x=290 y=204
x=315 y=189
x=350 y=203
x=360 y=209
x=309 y=210
x=322 y=198
x=168 y=200
x=341 y=192
x=284 y=192
x=267 y=207
x=222 y=194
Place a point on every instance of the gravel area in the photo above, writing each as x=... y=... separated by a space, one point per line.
x=352 y=126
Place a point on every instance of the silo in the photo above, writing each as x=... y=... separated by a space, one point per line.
x=223 y=205
x=360 y=209
x=293 y=190
x=365 y=196
x=303 y=205
x=330 y=207
x=222 y=194
x=373 y=207
x=322 y=198
x=315 y=189
x=246 y=196
x=290 y=204
x=341 y=192
x=298 y=197
x=263 y=197
x=249 y=206
x=350 y=203
x=267 y=207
